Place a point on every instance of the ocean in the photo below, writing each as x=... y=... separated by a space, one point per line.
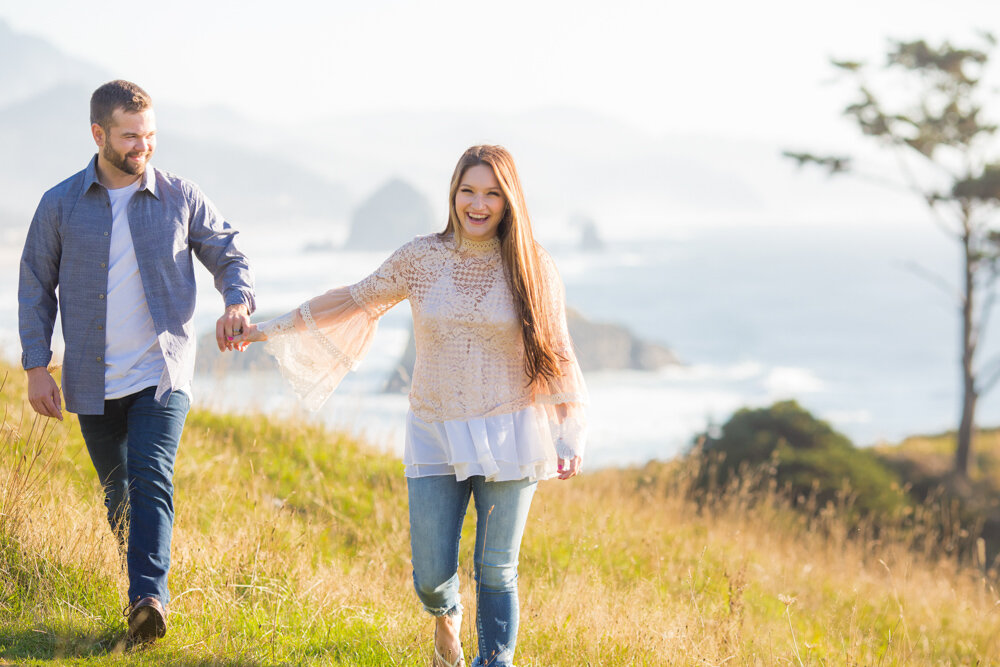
x=841 y=318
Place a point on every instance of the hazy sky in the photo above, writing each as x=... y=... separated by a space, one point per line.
x=732 y=67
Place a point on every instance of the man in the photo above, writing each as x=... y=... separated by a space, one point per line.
x=116 y=239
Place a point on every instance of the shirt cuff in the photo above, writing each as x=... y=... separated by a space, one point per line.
x=240 y=297
x=35 y=358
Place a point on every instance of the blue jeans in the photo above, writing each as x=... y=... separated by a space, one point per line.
x=437 y=510
x=133 y=446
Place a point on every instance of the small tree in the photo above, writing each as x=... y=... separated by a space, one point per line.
x=944 y=146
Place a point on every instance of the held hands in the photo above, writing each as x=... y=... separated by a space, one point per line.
x=569 y=467
x=43 y=393
x=233 y=322
x=251 y=334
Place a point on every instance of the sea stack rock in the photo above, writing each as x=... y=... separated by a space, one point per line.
x=590 y=237
x=390 y=217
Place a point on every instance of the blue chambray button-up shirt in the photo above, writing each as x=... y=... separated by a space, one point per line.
x=68 y=246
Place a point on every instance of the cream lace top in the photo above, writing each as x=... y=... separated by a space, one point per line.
x=470 y=356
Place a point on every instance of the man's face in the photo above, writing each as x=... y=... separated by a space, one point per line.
x=129 y=142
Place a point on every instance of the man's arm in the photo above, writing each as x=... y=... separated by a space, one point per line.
x=37 y=305
x=214 y=243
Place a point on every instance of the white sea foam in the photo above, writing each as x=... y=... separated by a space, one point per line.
x=786 y=382
x=740 y=371
x=575 y=263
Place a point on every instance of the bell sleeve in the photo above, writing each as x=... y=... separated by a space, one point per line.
x=564 y=397
x=317 y=343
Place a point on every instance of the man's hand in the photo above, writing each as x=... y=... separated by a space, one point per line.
x=43 y=393
x=233 y=322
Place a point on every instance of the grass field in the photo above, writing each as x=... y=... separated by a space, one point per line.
x=291 y=547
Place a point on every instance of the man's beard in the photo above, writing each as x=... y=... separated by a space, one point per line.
x=120 y=160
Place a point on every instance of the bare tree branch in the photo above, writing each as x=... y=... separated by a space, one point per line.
x=935 y=279
x=925 y=194
x=992 y=371
x=836 y=164
x=984 y=313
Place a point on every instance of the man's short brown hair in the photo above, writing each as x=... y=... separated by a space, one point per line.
x=117 y=94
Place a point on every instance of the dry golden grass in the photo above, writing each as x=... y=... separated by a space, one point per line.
x=291 y=546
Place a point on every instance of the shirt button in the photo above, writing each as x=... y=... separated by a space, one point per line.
x=100 y=358
x=100 y=327
x=105 y=233
x=100 y=296
x=104 y=265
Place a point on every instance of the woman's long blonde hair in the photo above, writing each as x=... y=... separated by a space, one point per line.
x=519 y=253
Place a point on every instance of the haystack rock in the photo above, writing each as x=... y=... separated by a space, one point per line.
x=393 y=215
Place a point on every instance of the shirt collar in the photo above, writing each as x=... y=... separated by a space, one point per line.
x=146 y=182
x=90 y=174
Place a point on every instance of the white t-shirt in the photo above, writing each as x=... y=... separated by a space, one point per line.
x=132 y=356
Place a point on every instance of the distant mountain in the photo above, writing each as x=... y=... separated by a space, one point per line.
x=30 y=65
x=48 y=139
x=253 y=187
x=571 y=161
x=45 y=138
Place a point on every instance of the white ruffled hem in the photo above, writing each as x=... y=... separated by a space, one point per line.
x=501 y=448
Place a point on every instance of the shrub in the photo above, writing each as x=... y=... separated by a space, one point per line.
x=785 y=446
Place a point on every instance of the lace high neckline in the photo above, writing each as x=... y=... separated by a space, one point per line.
x=480 y=247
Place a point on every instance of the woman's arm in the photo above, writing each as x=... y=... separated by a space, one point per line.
x=316 y=344
x=565 y=396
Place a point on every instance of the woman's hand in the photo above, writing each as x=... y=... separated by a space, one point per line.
x=250 y=334
x=569 y=467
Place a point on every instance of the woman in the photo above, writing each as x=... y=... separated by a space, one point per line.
x=497 y=396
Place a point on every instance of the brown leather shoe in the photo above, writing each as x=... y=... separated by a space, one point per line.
x=147 y=621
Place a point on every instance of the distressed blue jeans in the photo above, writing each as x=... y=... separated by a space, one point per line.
x=437 y=510
x=133 y=446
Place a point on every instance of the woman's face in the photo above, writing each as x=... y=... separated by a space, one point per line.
x=479 y=203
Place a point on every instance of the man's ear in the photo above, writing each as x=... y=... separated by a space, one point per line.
x=99 y=136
